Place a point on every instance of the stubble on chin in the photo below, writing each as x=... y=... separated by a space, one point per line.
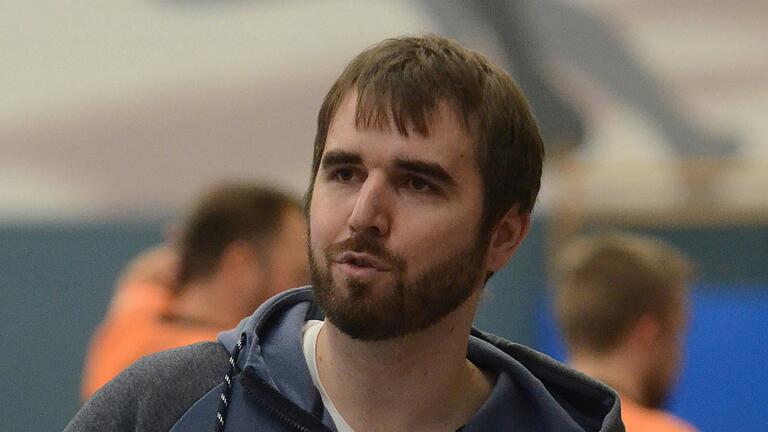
x=367 y=312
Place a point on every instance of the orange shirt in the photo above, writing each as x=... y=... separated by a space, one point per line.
x=133 y=329
x=638 y=418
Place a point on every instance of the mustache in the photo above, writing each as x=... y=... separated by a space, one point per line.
x=365 y=243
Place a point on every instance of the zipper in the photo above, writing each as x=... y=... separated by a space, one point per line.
x=269 y=398
x=281 y=416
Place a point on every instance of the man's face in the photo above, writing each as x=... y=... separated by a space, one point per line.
x=665 y=368
x=394 y=222
x=289 y=263
x=284 y=265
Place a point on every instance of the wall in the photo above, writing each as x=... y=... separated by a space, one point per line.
x=722 y=386
x=55 y=283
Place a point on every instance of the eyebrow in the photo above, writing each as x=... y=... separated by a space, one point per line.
x=429 y=169
x=337 y=157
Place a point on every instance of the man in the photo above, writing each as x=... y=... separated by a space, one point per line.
x=621 y=305
x=242 y=244
x=426 y=166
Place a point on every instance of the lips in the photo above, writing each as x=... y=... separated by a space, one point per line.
x=361 y=260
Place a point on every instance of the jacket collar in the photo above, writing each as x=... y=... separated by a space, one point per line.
x=531 y=388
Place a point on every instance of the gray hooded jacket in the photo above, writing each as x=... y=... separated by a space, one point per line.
x=270 y=388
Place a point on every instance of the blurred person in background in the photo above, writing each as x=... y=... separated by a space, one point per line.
x=242 y=244
x=621 y=305
x=427 y=164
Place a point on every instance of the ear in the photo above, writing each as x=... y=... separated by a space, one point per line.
x=506 y=237
x=645 y=332
x=237 y=262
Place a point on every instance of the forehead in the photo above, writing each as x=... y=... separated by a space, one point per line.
x=447 y=142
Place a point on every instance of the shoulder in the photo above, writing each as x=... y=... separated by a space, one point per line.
x=154 y=391
x=637 y=417
x=545 y=385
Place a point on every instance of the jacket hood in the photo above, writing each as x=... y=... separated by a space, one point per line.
x=532 y=391
x=549 y=395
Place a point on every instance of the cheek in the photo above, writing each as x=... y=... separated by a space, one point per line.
x=329 y=211
x=296 y=271
x=428 y=240
x=669 y=362
x=446 y=228
x=325 y=224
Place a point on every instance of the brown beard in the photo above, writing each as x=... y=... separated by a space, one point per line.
x=404 y=308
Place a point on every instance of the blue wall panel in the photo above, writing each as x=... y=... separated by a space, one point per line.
x=723 y=386
x=55 y=283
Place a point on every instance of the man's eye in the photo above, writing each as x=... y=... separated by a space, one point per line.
x=418 y=184
x=344 y=175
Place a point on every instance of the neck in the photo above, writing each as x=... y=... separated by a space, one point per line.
x=423 y=380
x=616 y=369
x=200 y=301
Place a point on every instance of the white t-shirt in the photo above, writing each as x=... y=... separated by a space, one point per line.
x=309 y=333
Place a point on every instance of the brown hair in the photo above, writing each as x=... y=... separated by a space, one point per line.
x=406 y=78
x=227 y=213
x=607 y=282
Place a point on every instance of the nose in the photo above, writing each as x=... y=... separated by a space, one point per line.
x=371 y=212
